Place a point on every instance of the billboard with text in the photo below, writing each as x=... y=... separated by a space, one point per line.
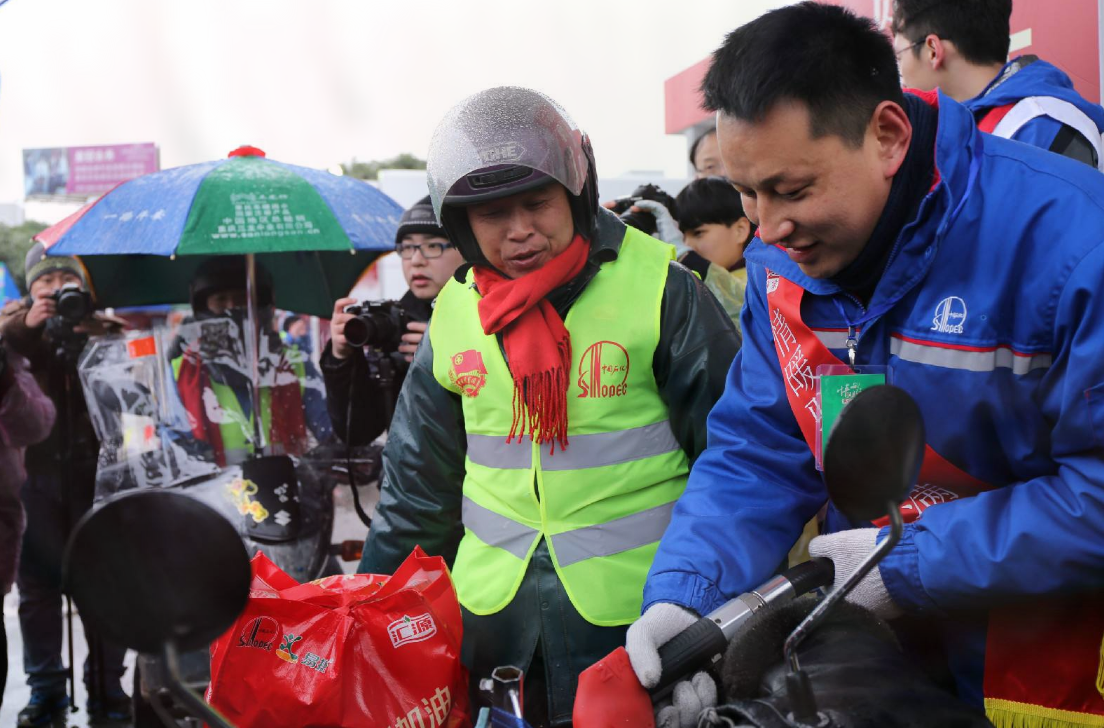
x=85 y=171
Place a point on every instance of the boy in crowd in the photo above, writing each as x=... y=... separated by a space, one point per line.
x=961 y=47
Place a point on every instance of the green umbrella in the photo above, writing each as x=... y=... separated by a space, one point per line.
x=313 y=231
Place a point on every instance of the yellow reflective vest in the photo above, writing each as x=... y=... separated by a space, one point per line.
x=603 y=503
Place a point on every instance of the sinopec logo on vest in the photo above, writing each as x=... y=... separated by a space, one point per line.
x=604 y=370
x=950 y=316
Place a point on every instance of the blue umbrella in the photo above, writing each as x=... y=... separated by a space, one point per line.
x=313 y=231
x=8 y=290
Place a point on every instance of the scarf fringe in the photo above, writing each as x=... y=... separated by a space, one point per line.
x=540 y=404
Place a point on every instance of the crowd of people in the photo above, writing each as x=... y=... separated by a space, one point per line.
x=608 y=432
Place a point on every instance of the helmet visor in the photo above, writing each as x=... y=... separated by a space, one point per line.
x=498 y=133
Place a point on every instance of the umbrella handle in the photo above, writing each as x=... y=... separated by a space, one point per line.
x=252 y=348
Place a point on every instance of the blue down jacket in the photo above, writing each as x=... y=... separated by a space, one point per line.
x=1010 y=238
x=1023 y=77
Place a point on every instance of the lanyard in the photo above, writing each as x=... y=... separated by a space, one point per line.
x=854 y=325
x=868 y=316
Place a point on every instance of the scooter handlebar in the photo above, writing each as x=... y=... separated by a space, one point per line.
x=693 y=649
x=705 y=642
x=812 y=574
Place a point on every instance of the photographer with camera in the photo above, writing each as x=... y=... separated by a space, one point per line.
x=50 y=328
x=373 y=344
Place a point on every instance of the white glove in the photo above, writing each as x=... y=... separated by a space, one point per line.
x=848 y=549
x=667 y=229
x=689 y=699
x=655 y=628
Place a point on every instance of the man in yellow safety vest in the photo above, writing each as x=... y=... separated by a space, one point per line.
x=552 y=411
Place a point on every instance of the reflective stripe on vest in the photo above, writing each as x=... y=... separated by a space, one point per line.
x=1061 y=111
x=613 y=537
x=586 y=451
x=602 y=503
x=571 y=547
x=498 y=531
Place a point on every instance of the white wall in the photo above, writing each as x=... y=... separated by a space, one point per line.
x=11 y=214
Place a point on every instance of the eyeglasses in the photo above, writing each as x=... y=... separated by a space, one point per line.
x=428 y=250
x=909 y=48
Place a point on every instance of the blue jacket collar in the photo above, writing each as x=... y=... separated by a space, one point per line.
x=1026 y=76
x=958 y=147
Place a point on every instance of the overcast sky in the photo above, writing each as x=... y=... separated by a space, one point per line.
x=318 y=82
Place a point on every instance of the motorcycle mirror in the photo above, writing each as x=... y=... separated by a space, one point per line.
x=874 y=453
x=154 y=567
x=872 y=460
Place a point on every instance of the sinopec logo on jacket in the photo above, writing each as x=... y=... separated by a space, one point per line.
x=950 y=316
x=604 y=370
x=468 y=372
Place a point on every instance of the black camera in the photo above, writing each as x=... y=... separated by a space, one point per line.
x=73 y=306
x=378 y=324
x=643 y=221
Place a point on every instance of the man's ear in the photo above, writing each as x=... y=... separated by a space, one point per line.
x=937 y=50
x=892 y=132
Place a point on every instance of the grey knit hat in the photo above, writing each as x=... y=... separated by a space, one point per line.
x=419 y=219
x=38 y=264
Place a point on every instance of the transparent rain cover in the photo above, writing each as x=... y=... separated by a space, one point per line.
x=172 y=405
x=156 y=417
x=507 y=125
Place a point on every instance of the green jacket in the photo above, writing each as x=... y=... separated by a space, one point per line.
x=423 y=471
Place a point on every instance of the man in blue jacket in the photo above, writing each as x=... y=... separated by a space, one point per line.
x=973 y=274
x=961 y=47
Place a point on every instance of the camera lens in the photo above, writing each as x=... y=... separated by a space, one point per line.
x=378 y=324
x=72 y=304
x=358 y=331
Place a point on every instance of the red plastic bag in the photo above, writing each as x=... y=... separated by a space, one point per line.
x=356 y=651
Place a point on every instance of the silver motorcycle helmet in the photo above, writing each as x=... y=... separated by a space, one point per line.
x=500 y=142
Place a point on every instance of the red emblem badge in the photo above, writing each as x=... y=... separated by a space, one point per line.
x=468 y=372
x=604 y=370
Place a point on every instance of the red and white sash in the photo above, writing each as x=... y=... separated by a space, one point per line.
x=800 y=353
x=1044 y=659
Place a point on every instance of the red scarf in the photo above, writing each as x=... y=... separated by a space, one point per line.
x=538 y=347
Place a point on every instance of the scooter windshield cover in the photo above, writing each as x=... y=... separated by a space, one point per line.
x=500 y=132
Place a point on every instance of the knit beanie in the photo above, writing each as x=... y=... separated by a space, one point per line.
x=419 y=219
x=38 y=264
